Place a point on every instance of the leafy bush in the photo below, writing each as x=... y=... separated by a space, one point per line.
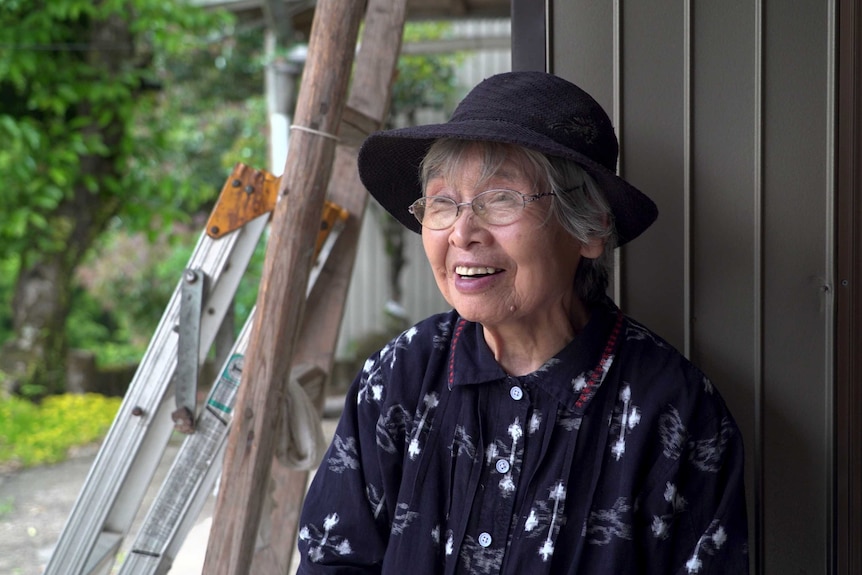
x=34 y=434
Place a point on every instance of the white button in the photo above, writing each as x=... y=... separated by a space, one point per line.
x=484 y=539
x=516 y=393
x=502 y=466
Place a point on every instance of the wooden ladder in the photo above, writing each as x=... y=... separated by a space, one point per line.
x=293 y=330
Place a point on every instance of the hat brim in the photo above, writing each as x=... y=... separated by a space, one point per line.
x=389 y=164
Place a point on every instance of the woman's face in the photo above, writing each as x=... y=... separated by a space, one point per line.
x=519 y=274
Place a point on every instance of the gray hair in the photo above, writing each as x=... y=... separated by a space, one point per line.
x=578 y=205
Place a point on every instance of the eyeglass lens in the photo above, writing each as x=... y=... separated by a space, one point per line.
x=496 y=207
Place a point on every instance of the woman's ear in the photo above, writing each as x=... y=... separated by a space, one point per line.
x=593 y=248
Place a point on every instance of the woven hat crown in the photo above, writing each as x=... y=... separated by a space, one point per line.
x=530 y=109
x=543 y=104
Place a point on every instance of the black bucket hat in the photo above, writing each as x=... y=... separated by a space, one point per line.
x=534 y=110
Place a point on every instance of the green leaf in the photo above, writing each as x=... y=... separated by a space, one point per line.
x=57 y=176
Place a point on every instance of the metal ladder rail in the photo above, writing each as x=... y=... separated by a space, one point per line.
x=197 y=466
x=191 y=477
x=135 y=443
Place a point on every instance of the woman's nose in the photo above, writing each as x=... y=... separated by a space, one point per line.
x=466 y=228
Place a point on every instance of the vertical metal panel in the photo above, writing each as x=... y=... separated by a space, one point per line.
x=588 y=49
x=529 y=45
x=687 y=169
x=722 y=161
x=848 y=290
x=757 y=250
x=652 y=157
x=796 y=308
x=629 y=56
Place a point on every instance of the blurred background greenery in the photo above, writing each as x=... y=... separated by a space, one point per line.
x=120 y=121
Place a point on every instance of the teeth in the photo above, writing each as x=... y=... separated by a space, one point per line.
x=470 y=271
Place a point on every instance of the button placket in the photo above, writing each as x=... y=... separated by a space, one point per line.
x=506 y=435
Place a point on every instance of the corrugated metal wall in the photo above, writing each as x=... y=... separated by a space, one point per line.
x=725 y=114
x=368 y=294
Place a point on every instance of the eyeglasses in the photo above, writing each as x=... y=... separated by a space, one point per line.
x=495 y=207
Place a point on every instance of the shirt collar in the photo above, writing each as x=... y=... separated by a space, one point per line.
x=564 y=376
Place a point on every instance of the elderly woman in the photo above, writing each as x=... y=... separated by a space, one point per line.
x=534 y=428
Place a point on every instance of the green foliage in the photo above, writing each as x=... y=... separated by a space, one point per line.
x=208 y=115
x=208 y=99
x=123 y=290
x=188 y=88
x=190 y=96
x=8 y=273
x=247 y=124
x=126 y=285
x=35 y=434
x=57 y=82
x=127 y=281
x=424 y=81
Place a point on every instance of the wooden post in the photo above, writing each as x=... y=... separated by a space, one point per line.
x=281 y=298
x=367 y=108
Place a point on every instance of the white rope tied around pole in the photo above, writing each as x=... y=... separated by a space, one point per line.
x=313 y=131
x=301 y=442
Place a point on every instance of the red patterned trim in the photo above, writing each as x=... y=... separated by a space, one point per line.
x=455 y=337
x=597 y=373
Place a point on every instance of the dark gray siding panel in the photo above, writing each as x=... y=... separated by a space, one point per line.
x=725 y=118
x=724 y=224
x=797 y=153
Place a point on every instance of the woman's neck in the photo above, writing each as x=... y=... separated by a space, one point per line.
x=521 y=349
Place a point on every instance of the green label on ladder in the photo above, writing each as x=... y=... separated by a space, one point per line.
x=223 y=395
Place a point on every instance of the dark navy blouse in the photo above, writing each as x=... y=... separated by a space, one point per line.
x=616 y=456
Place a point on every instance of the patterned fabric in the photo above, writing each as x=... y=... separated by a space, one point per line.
x=616 y=456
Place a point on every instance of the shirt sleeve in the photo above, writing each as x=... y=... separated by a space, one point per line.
x=694 y=516
x=344 y=524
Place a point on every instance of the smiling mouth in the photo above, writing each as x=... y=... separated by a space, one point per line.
x=471 y=272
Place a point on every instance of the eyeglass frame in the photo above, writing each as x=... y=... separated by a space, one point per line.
x=526 y=199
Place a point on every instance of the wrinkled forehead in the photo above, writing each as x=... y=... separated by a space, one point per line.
x=448 y=158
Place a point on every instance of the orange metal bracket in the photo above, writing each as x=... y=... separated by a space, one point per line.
x=249 y=193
